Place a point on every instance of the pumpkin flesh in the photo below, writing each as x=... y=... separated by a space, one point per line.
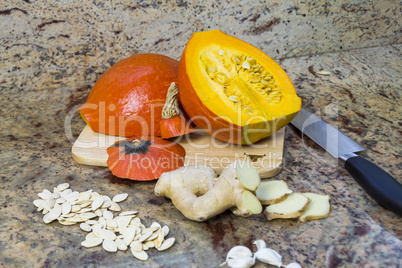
x=234 y=91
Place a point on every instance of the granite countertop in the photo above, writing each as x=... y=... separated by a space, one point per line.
x=39 y=122
x=363 y=87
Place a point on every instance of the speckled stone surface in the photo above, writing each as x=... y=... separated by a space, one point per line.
x=53 y=51
x=363 y=87
x=57 y=44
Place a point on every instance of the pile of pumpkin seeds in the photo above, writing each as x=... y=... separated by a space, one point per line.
x=94 y=212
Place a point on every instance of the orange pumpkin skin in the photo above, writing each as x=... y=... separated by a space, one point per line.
x=218 y=123
x=127 y=99
x=146 y=160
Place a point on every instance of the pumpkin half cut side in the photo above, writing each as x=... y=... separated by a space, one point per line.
x=234 y=91
x=144 y=158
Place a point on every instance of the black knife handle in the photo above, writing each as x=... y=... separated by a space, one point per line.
x=377 y=183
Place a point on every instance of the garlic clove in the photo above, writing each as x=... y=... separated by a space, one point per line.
x=240 y=262
x=293 y=265
x=269 y=256
x=260 y=244
x=238 y=252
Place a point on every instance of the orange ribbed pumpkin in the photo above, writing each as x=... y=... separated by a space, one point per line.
x=127 y=100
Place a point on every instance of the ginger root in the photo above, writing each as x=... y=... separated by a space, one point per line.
x=199 y=194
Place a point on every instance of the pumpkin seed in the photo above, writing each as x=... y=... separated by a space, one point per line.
x=121 y=245
x=45 y=194
x=166 y=244
x=120 y=197
x=52 y=215
x=90 y=235
x=86 y=227
x=92 y=242
x=108 y=215
x=62 y=187
x=128 y=213
x=97 y=203
x=66 y=208
x=109 y=245
x=136 y=246
x=38 y=202
x=142 y=255
x=104 y=234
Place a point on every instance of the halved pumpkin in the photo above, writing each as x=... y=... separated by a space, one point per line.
x=234 y=91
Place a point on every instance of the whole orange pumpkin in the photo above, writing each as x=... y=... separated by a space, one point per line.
x=127 y=100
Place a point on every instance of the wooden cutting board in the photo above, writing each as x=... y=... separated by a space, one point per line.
x=201 y=148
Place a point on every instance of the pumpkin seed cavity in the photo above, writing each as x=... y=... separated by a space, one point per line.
x=235 y=73
x=112 y=233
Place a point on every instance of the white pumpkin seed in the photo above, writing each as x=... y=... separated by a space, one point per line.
x=72 y=197
x=88 y=215
x=85 y=204
x=121 y=245
x=45 y=194
x=108 y=215
x=106 y=204
x=56 y=195
x=65 y=193
x=106 y=198
x=145 y=236
x=38 y=202
x=114 y=206
x=111 y=224
x=104 y=234
x=66 y=208
x=75 y=208
x=98 y=212
x=129 y=234
x=165 y=230
x=48 y=204
x=136 y=246
x=90 y=235
x=150 y=244
x=62 y=187
x=60 y=200
x=155 y=224
x=166 y=244
x=97 y=203
x=91 y=222
x=144 y=247
x=92 y=242
x=120 y=197
x=128 y=213
x=142 y=255
x=86 y=227
x=65 y=222
x=53 y=214
x=109 y=245
x=122 y=222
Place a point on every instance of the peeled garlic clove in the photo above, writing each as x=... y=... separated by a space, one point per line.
x=241 y=262
x=293 y=265
x=269 y=256
x=260 y=244
x=239 y=251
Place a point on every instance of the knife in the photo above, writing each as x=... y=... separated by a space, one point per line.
x=376 y=182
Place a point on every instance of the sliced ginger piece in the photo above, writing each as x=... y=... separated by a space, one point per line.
x=318 y=208
x=292 y=207
x=272 y=192
x=248 y=175
x=249 y=205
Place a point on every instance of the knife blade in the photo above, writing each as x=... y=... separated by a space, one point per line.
x=376 y=182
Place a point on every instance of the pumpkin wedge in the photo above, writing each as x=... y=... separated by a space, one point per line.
x=234 y=91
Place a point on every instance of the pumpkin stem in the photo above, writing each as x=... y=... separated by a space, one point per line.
x=171 y=108
x=136 y=142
